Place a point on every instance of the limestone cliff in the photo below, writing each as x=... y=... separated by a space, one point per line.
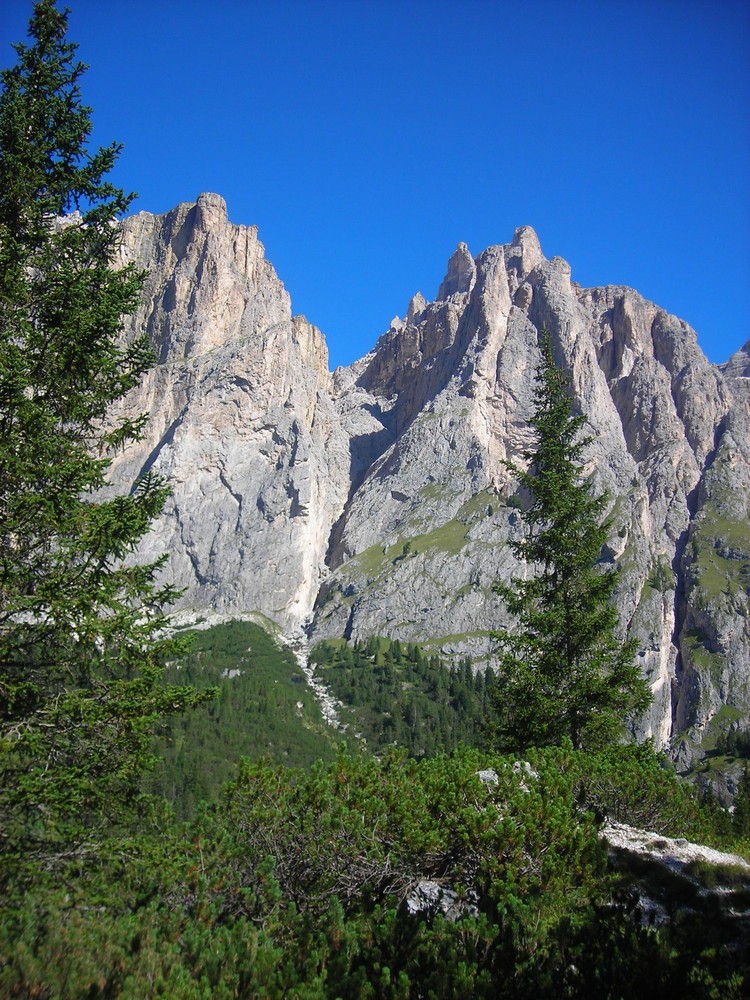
x=375 y=499
x=242 y=422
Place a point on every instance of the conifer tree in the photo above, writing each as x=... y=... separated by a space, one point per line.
x=565 y=672
x=80 y=651
x=741 y=815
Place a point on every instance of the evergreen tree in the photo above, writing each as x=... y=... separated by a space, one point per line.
x=741 y=816
x=565 y=673
x=80 y=651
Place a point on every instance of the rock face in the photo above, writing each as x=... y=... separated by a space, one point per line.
x=376 y=500
x=242 y=424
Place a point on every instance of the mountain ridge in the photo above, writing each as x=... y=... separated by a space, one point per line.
x=375 y=499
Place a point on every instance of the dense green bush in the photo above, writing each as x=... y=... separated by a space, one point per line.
x=295 y=883
x=633 y=784
x=367 y=828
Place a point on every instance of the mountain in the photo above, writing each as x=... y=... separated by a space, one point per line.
x=375 y=499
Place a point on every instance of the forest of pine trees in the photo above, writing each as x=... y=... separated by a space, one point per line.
x=397 y=695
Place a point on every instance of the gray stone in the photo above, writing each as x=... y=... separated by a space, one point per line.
x=377 y=499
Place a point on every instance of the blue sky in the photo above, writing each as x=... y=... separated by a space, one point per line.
x=366 y=139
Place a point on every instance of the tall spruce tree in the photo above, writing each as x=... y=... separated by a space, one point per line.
x=80 y=645
x=565 y=672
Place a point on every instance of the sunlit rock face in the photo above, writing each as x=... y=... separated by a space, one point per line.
x=242 y=423
x=376 y=500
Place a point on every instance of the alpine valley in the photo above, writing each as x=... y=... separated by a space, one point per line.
x=375 y=500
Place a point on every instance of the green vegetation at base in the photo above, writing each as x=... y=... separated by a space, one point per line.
x=296 y=884
x=395 y=695
x=263 y=707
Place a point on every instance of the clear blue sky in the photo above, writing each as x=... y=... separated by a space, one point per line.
x=365 y=139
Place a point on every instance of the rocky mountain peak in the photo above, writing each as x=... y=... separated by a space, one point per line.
x=379 y=502
x=211 y=210
x=523 y=254
x=208 y=280
x=738 y=366
x=460 y=275
x=415 y=308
